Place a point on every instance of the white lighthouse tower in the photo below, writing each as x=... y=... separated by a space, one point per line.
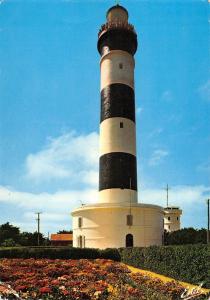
x=117 y=43
x=117 y=219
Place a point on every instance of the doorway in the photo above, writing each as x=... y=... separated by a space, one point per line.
x=129 y=240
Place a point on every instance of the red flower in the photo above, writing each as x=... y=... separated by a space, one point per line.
x=20 y=288
x=45 y=289
x=65 y=292
x=55 y=282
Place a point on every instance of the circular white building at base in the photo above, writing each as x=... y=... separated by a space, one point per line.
x=113 y=226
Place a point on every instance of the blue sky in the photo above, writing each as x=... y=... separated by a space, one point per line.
x=50 y=99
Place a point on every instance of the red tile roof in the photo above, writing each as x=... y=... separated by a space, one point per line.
x=62 y=237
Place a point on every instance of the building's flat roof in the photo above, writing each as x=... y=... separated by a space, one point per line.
x=172 y=207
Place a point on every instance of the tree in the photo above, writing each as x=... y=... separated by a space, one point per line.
x=30 y=239
x=64 y=231
x=185 y=236
x=8 y=231
x=10 y=236
x=8 y=243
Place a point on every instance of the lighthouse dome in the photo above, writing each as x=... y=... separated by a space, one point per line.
x=117 y=13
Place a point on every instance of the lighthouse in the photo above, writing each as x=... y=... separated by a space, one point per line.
x=116 y=219
x=117 y=44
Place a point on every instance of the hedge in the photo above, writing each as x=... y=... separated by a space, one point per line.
x=188 y=263
x=58 y=253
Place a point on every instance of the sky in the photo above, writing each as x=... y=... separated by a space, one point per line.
x=50 y=100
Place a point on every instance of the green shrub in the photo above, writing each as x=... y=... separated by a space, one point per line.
x=110 y=253
x=188 y=263
x=58 y=252
x=185 y=236
x=8 y=243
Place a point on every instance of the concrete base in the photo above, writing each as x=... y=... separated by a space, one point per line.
x=105 y=225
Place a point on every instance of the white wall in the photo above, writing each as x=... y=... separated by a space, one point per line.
x=116 y=139
x=105 y=227
x=171 y=223
x=118 y=196
x=110 y=68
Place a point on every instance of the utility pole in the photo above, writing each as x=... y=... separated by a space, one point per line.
x=208 y=221
x=167 y=189
x=38 y=226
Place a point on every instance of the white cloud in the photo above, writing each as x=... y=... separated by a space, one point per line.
x=69 y=156
x=48 y=217
x=56 y=207
x=178 y=195
x=157 y=157
x=204 y=90
x=60 y=201
x=191 y=199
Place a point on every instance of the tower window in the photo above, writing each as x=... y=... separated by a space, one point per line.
x=80 y=241
x=121 y=124
x=120 y=65
x=169 y=218
x=80 y=222
x=129 y=220
x=177 y=218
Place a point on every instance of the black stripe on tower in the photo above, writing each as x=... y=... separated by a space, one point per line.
x=117 y=39
x=117 y=170
x=117 y=100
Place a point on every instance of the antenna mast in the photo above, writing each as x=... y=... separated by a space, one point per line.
x=38 y=226
x=167 y=189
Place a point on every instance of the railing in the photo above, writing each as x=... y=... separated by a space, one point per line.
x=115 y=25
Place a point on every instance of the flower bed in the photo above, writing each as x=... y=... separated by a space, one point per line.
x=79 y=279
